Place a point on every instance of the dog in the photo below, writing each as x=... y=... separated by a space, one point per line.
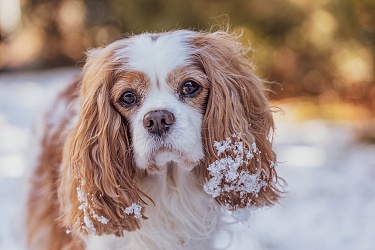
x=159 y=135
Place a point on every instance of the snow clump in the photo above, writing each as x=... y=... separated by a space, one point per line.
x=231 y=178
x=88 y=212
x=134 y=209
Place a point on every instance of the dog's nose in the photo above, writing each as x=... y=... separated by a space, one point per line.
x=158 y=121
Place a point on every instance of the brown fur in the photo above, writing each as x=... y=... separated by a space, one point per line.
x=94 y=154
x=43 y=208
x=190 y=73
x=236 y=104
x=129 y=81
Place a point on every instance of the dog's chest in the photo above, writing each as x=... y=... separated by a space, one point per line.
x=183 y=217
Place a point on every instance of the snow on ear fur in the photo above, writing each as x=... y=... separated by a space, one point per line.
x=237 y=127
x=98 y=168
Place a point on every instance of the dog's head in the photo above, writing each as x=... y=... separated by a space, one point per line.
x=152 y=100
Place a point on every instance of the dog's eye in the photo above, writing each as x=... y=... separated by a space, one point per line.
x=128 y=99
x=190 y=88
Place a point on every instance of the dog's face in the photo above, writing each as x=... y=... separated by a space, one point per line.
x=163 y=95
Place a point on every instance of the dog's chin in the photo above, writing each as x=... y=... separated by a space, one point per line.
x=163 y=159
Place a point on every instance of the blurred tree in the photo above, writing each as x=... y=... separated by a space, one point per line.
x=45 y=15
x=321 y=49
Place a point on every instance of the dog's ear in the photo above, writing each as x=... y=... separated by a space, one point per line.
x=98 y=171
x=237 y=125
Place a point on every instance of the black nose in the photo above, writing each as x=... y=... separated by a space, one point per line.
x=158 y=121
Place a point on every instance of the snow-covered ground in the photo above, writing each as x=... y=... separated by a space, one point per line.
x=330 y=204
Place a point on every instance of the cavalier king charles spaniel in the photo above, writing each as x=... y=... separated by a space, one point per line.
x=161 y=134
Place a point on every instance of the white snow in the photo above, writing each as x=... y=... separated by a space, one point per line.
x=134 y=209
x=88 y=212
x=330 y=202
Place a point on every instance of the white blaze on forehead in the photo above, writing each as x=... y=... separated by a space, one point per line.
x=156 y=55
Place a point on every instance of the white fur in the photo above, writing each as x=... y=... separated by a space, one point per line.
x=184 y=136
x=158 y=57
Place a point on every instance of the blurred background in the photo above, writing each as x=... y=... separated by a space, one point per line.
x=318 y=56
x=321 y=52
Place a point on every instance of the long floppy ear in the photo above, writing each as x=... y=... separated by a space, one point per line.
x=237 y=127
x=97 y=181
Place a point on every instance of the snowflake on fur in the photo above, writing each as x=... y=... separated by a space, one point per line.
x=88 y=212
x=134 y=209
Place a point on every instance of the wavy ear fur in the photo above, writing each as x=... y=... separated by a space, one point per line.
x=98 y=168
x=237 y=106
